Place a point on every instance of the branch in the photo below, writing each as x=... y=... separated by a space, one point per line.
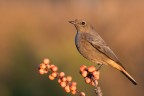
x=90 y=74
x=64 y=81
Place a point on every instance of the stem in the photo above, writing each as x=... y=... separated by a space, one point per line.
x=97 y=88
x=99 y=67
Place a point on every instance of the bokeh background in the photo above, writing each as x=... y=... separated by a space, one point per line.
x=33 y=30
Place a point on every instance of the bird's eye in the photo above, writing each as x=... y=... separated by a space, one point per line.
x=83 y=23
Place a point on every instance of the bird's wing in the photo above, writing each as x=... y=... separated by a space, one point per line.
x=101 y=46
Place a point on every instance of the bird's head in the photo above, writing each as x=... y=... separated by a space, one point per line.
x=81 y=25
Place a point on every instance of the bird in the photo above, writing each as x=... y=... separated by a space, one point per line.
x=91 y=46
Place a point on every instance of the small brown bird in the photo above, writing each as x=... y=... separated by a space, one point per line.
x=92 y=47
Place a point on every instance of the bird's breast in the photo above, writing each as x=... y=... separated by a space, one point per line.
x=87 y=50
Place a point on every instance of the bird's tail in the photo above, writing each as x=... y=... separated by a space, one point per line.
x=128 y=76
x=120 y=68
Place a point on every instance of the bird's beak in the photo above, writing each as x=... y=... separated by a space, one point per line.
x=72 y=22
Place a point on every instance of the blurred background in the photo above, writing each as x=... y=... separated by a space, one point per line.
x=33 y=30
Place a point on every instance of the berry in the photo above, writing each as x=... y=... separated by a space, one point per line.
x=69 y=78
x=82 y=68
x=63 y=84
x=54 y=74
x=87 y=80
x=51 y=77
x=61 y=74
x=84 y=73
x=41 y=71
x=54 y=68
x=46 y=61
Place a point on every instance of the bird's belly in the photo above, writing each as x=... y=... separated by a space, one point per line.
x=90 y=53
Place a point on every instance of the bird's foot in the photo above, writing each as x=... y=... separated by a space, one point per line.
x=99 y=66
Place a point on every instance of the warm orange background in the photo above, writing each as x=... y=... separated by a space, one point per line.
x=33 y=30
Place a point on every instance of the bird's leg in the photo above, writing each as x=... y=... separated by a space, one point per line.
x=99 y=66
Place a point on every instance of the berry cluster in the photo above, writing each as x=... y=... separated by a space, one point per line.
x=90 y=74
x=64 y=81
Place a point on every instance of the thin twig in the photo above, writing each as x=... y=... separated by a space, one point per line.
x=97 y=88
x=99 y=67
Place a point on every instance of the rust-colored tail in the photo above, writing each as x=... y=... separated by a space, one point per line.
x=120 y=68
x=128 y=76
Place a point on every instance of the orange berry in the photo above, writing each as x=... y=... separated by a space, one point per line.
x=64 y=79
x=61 y=74
x=87 y=80
x=41 y=71
x=82 y=68
x=73 y=92
x=52 y=65
x=59 y=80
x=69 y=78
x=54 y=68
x=42 y=66
x=96 y=73
x=73 y=83
x=45 y=71
x=54 y=74
x=84 y=73
x=51 y=77
x=72 y=87
x=82 y=94
x=67 y=89
x=48 y=66
x=63 y=84
x=91 y=69
x=46 y=61
x=96 y=77
x=92 y=83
